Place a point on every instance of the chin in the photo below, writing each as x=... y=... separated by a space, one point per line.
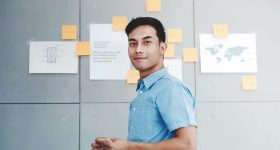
x=140 y=68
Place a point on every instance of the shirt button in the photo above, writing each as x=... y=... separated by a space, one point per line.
x=134 y=109
x=140 y=92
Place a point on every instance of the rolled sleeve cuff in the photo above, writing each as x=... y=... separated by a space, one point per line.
x=181 y=125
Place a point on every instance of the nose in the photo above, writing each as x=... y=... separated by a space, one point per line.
x=139 y=49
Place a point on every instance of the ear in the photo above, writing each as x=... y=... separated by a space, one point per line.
x=163 y=47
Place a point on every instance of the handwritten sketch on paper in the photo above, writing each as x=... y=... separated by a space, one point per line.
x=109 y=57
x=52 y=57
x=234 y=54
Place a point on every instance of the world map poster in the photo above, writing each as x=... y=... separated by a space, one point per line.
x=233 y=54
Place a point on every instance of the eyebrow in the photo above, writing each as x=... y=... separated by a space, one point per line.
x=131 y=39
x=146 y=37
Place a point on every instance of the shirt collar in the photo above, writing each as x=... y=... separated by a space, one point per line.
x=152 y=78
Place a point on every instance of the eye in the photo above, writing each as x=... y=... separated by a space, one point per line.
x=132 y=43
x=147 y=42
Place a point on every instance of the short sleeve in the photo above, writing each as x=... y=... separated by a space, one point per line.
x=176 y=106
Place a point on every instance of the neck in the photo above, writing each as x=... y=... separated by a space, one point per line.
x=146 y=73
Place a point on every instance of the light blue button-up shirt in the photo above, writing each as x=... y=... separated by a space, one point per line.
x=163 y=104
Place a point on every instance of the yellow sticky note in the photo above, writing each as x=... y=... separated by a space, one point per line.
x=119 y=23
x=174 y=35
x=249 y=82
x=170 y=51
x=220 y=30
x=69 y=32
x=153 y=5
x=190 y=54
x=132 y=76
x=83 y=48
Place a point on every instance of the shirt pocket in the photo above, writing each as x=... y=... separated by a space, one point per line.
x=144 y=122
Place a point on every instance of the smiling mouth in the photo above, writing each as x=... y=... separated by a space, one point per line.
x=139 y=58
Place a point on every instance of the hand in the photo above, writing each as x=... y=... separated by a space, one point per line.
x=109 y=144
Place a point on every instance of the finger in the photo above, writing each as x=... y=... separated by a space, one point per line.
x=99 y=138
x=114 y=139
x=97 y=149
x=94 y=145
x=104 y=142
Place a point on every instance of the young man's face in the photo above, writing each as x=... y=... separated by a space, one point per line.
x=145 y=51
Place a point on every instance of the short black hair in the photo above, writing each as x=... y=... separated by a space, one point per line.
x=153 y=22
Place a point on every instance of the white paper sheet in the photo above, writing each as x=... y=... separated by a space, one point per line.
x=174 y=66
x=52 y=57
x=109 y=58
x=234 y=54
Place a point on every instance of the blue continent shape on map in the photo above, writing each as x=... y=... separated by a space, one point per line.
x=234 y=51
x=229 y=53
x=218 y=59
x=214 y=49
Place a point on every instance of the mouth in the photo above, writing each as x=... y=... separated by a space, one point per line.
x=139 y=58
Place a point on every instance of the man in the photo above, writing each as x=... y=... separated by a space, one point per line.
x=162 y=116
